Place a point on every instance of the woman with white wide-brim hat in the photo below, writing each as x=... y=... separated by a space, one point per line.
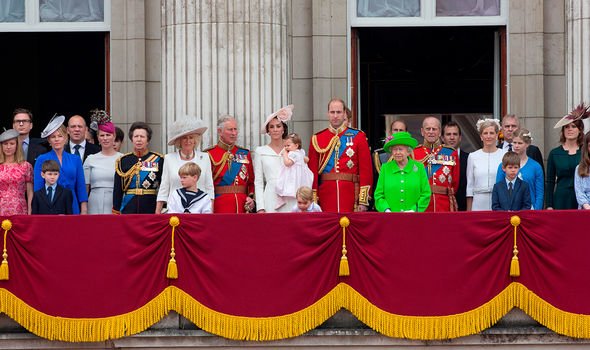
x=71 y=174
x=268 y=160
x=185 y=134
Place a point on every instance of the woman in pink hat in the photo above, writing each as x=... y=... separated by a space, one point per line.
x=99 y=168
x=268 y=161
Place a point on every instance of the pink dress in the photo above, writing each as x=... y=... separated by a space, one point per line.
x=295 y=176
x=13 y=187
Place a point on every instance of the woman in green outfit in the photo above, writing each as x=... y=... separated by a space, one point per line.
x=403 y=184
x=561 y=166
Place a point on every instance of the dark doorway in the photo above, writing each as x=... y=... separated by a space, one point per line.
x=50 y=73
x=415 y=71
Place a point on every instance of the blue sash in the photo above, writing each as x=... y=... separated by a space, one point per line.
x=443 y=155
x=128 y=197
x=233 y=170
x=348 y=135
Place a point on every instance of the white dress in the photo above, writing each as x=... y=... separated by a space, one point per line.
x=99 y=173
x=481 y=177
x=171 y=180
x=294 y=176
x=267 y=166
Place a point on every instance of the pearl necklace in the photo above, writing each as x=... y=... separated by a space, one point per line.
x=187 y=157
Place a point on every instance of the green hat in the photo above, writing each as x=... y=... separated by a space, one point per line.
x=400 y=138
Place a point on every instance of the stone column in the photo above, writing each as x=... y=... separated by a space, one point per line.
x=578 y=52
x=224 y=57
x=525 y=64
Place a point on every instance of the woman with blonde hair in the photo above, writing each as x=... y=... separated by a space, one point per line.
x=482 y=166
x=16 y=177
x=185 y=134
x=71 y=175
x=530 y=170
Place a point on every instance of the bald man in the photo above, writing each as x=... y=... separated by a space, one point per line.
x=77 y=145
x=442 y=166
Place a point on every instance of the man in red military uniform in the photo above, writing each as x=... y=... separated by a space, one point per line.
x=442 y=166
x=340 y=159
x=233 y=174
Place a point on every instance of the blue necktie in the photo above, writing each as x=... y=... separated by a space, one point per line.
x=50 y=194
x=77 y=150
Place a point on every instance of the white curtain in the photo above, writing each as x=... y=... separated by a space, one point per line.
x=12 y=11
x=388 y=8
x=71 y=10
x=468 y=8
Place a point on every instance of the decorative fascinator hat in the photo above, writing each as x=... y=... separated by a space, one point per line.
x=183 y=126
x=284 y=114
x=53 y=125
x=100 y=120
x=400 y=138
x=8 y=135
x=579 y=113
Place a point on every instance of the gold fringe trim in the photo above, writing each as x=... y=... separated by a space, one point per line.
x=85 y=329
x=429 y=327
x=559 y=321
x=297 y=323
x=259 y=328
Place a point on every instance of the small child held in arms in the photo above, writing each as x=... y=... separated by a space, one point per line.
x=305 y=203
x=294 y=171
x=188 y=198
x=511 y=193
x=52 y=198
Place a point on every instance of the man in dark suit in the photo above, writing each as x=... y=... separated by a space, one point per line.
x=452 y=137
x=52 y=198
x=510 y=123
x=22 y=121
x=511 y=193
x=78 y=145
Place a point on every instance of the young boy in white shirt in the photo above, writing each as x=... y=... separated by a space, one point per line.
x=188 y=198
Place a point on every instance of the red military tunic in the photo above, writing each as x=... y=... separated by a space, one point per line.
x=442 y=167
x=341 y=163
x=233 y=177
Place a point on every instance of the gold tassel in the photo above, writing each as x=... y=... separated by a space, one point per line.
x=172 y=271
x=344 y=268
x=514 y=264
x=4 y=275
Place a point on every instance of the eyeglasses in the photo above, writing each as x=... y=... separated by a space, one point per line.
x=24 y=121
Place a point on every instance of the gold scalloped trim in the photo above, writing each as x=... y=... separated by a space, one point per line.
x=297 y=323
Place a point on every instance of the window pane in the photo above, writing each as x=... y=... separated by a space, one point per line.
x=467 y=8
x=71 y=10
x=388 y=8
x=12 y=11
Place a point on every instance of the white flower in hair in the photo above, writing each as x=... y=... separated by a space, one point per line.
x=487 y=120
x=529 y=135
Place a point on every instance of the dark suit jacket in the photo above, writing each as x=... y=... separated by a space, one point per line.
x=37 y=147
x=520 y=199
x=62 y=202
x=461 y=192
x=90 y=149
